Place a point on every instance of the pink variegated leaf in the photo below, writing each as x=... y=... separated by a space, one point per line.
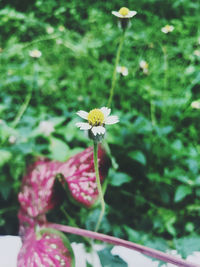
x=26 y=222
x=80 y=176
x=44 y=248
x=36 y=196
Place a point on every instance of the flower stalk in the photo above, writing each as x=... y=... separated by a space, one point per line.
x=120 y=242
x=22 y=109
x=114 y=76
x=95 y=146
x=27 y=100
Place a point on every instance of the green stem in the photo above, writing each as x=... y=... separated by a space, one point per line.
x=22 y=109
x=120 y=242
x=27 y=99
x=164 y=50
x=73 y=223
x=164 y=94
x=152 y=112
x=114 y=76
x=98 y=186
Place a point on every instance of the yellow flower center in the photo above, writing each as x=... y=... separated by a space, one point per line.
x=95 y=117
x=123 y=68
x=124 y=11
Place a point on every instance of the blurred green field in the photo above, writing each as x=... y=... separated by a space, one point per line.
x=153 y=193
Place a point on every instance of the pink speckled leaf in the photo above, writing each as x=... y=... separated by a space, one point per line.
x=44 y=248
x=36 y=196
x=26 y=222
x=80 y=176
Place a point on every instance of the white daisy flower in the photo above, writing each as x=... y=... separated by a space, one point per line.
x=196 y=53
x=12 y=139
x=50 y=30
x=122 y=70
x=124 y=13
x=195 y=104
x=144 y=66
x=35 y=53
x=97 y=118
x=167 y=29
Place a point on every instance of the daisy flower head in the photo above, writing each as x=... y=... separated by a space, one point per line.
x=50 y=30
x=196 y=104
x=12 y=139
x=122 y=70
x=35 y=53
x=167 y=29
x=196 y=53
x=96 y=121
x=124 y=14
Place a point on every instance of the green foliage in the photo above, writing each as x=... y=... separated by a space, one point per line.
x=154 y=184
x=186 y=245
x=109 y=260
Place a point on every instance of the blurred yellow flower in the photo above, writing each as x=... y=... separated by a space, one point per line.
x=35 y=53
x=167 y=29
x=61 y=28
x=124 y=13
x=122 y=70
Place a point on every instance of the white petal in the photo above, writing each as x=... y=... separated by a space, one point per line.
x=106 y=111
x=119 y=69
x=112 y=120
x=98 y=130
x=83 y=125
x=125 y=72
x=131 y=13
x=117 y=14
x=82 y=114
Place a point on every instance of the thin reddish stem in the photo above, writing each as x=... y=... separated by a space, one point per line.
x=120 y=242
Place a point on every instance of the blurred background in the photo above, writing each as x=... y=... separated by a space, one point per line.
x=57 y=57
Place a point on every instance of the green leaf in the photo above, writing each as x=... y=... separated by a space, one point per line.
x=118 y=178
x=138 y=156
x=88 y=264
x=181 y=192
x=59 y=150
x=5 y=156
x=5 y=189
x=109 y=260
x=187 y=245
x=133 y=235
